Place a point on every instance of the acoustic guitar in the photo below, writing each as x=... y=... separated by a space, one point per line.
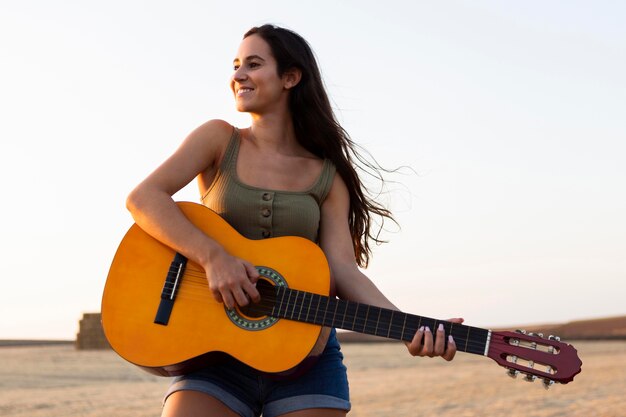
x=159 y=314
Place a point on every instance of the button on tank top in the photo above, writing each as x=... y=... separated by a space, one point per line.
x=258 y=213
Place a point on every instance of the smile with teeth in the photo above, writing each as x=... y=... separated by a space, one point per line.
x=243 y=90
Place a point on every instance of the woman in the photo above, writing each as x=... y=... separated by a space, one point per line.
x=289 y=173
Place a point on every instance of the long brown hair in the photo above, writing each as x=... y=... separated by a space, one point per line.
x=318 y=131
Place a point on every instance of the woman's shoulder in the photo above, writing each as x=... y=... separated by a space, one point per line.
x=210 y=138
x=215 y=130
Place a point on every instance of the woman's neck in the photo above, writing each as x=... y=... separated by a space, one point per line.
x=275 y=132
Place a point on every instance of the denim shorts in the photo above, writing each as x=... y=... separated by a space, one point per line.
x=251 y=393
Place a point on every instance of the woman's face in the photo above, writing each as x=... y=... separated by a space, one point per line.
x=255 y=82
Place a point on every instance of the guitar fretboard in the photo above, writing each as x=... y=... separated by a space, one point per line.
x=348 y=315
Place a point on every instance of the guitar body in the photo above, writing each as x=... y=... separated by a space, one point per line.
x=198 y=327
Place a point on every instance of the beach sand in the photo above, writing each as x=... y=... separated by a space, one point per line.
x=59 y=381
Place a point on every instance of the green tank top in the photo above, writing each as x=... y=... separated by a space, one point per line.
x=260 y=213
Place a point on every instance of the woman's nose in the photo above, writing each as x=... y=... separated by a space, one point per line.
x=239 y=74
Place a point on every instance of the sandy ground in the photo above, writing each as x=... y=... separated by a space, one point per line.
x=55 y=381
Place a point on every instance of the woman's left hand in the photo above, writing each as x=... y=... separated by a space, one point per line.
x=425 y=343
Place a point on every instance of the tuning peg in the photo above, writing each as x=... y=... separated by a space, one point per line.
x=532 y=334
x=530 y=378
x=547 y=383
x=540 y=335
x=521 y=331
x=552 y=337
x=512 y=373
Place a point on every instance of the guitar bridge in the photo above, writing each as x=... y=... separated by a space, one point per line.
x=170 y=288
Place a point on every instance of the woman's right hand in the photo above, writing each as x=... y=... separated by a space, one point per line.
x=232 y=280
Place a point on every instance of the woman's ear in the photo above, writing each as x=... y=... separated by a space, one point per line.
x=291 y=78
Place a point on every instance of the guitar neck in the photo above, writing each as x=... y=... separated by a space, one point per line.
x=348 y=315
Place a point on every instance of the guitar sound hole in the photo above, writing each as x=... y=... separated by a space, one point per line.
x=250 y=312
x=255 y=310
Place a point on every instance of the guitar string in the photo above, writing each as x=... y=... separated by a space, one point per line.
x=459 y=338
x=357 y=320
x=475 y=342
x=539 y=341
x=471 y=345
x=183 y=291
x=366 y=326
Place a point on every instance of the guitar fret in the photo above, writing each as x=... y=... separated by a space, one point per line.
x=373 y=325
x=326 y=301
x=404 y=327
x=397 y=328
x=356 y=312
x=301 y=306
x=317 y=310
x=456 y=333
x=295 y=303
x=308 y=311
x=275 y=312
x=343 y=318
x=306 y=307
x=288 y=303
x=384 y=322
x=367 y=312
x=412 y=326
x=281 y=303
x=479 y=340
x=377 y=322
x=335 y=312
x=349 y=317
x=329 y=306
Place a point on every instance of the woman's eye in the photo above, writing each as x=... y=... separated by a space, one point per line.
x=253 y=65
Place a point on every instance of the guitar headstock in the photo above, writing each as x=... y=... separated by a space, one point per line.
x=535 y=356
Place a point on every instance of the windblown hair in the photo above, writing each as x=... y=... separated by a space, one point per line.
x=318 y=131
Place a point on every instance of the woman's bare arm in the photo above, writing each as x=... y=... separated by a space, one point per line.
x=231 y=279
x=352 y=284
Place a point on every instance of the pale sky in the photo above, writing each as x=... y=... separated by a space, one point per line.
x=511 y=114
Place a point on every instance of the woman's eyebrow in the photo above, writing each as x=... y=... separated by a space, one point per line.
x=249 y=58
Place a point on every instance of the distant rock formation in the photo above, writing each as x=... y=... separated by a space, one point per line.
x=609 y=328
x=90 y=334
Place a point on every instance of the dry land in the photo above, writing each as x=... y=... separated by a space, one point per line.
x=57 y=380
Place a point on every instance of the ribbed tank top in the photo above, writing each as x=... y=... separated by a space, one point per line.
x=259 y=213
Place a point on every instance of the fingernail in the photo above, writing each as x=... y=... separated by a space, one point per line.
x=427 y=328
x=440 y=328
x=421 y=329
x=450 y=339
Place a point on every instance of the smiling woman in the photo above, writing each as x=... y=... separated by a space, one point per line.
x=255 y=82
x=291 y=172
